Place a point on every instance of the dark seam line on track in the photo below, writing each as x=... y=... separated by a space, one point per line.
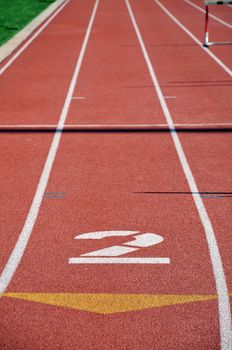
x=182 y=85
x=221 y=81
x=173 y=45
x=203 y=194
x=215 y=197
x=54 y=197
x=137 y=86
x=162 y=45
x=55 y=193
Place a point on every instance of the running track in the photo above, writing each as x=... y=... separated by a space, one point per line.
x=119 y=64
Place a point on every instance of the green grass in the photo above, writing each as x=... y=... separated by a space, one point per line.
x=16 y=14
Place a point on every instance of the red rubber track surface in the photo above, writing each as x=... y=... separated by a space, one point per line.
x=115 y=180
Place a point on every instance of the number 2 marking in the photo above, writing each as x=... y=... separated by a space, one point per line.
x=112 y=255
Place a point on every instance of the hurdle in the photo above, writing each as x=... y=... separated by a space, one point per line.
x=207 y=43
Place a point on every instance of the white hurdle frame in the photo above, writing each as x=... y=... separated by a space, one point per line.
x=207 y=43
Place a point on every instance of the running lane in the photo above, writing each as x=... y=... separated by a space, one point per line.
x=207 y=152
x=114 y=86
x=103 y=178
x=33 y=90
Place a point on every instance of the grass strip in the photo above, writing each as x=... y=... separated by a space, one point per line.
x=16 y=14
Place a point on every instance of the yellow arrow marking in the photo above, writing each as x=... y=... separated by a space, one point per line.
x=109 y=303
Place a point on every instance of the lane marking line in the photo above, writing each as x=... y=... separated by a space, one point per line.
x=218 y=271
x=103 y=303
x=198 y=42
x=212 y=16
x=26 y=232
x=12 y=44
x=29 y=41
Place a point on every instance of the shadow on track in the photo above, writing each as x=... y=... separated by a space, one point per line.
x=159 y=128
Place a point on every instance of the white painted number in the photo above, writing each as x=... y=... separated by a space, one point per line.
x=112 y=255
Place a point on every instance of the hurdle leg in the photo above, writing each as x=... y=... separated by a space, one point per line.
x=206 y=43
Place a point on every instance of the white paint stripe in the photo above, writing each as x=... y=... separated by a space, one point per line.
x=29 y=41
x=119 y=261
x=221 y=286
x=25 y=234
x=34 y=126
x=13 y=43
x=207 y=51
x=212 y=16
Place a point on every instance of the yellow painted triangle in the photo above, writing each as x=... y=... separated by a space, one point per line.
x=109 y=303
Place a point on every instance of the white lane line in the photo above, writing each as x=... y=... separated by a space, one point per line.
x=119 y=261
x=12 y=44
x=25 y=234
x=212 y=16
x=89 y=126
x=28 y=42
x=207 y=51
x=220 y=280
